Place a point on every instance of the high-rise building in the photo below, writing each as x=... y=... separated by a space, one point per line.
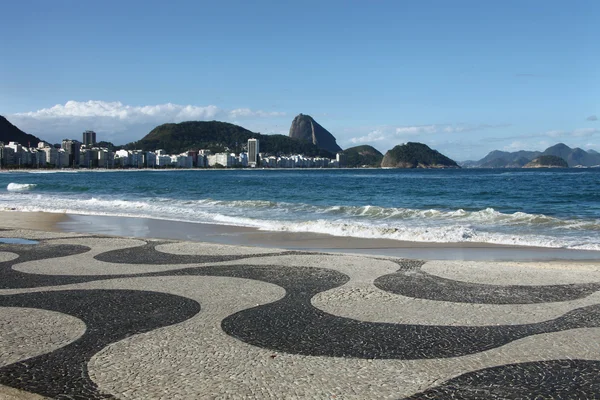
x=253 y=150
x=89 y=138
x=72 y=149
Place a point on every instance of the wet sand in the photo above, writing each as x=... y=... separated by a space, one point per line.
x=245 y=236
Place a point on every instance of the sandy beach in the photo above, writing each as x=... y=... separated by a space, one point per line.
x=92 y=307
x=245 y=236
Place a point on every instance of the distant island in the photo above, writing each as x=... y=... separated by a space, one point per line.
x=502 y=159
x=416 y=155
x=364 y=156
x=547 y=162
x=213 y=144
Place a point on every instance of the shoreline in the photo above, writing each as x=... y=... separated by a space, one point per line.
x=246 y=236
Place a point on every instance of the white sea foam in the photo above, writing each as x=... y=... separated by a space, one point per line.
x=455 y=226
x=20 y=187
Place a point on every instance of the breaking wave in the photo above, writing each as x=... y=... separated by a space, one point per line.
x=430 y=225
x=20 y=187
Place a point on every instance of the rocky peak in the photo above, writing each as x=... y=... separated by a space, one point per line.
x=305 y=128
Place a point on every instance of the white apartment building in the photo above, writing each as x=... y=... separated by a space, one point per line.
x=163 y=160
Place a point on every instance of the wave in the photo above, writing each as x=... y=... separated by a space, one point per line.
x=429 y=225
x=20 y=187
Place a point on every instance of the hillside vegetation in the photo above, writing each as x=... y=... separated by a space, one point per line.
x=547 y=162
x=503 y=159
x=219 y=137
x=416 y=155
x=10 y=133
x=359 y=156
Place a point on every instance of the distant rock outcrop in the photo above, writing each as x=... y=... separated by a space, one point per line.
x=574 y=157
x=10 y=133
x=547 y=162
x=305 y=128
x=362 y=156
x=416 y=155
x=503 y=159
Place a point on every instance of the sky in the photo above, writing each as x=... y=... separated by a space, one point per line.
x=464 y=77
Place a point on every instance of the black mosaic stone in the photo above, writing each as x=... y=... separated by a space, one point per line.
x=109 y=315
x=147 y=254
x=421 y=285
x=293 y=325
x=11 y=279
x=556 y=379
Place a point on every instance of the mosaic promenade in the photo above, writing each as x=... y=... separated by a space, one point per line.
x=92 y=317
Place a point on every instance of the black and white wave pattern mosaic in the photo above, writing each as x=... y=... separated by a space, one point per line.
x=91 y=317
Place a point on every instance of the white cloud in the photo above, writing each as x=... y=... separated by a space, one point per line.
x=582 y=132
x=246 y=112
x=120 y=122
x=416 y=130
x=120 y=111
x=516 y=146
x=585 y=132
x=373 y=136
x=592 y=118
x=386 y=136
x=444 y=128
x=555 y=133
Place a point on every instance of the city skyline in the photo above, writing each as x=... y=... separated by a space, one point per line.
x=465 y=78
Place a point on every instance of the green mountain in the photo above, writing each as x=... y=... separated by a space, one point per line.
x=10 y=133
x=573 y=157
x=416 y=155
x=505 y=159
x=219 y=137
x=518 y=159
x=360 y=156
x=547 y=162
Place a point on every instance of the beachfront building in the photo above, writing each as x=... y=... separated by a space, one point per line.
x=149 y=159
x=253 y=150
x=6 y=155
x=182 y=161
x=122 y=158
x=221 y=159
x=89 y=138
x=163 y=160
x=73 y=149
x=51 y=153
x=242 y=159
x=106 y=158
x=268 y=162
x=62 y=159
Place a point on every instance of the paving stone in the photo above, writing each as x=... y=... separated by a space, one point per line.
x=96 y=317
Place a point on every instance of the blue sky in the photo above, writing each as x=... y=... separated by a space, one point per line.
x=465 y=77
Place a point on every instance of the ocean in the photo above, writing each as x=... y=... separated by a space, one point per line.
x=549 y=208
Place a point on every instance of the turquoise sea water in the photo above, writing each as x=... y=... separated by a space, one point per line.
x=550 y=208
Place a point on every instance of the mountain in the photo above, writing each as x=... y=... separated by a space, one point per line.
x=219 y=137
x=574 y=157
x=360 y=156
x=547 y=162
x=505 y=159
x=305 y=128
x=518 y=159
x=416 y=155
x=10 y=133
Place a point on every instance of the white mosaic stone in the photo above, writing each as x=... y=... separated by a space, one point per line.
x=28 y=332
